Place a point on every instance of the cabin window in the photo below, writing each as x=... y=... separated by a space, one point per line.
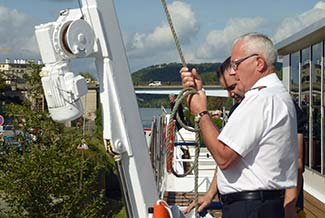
x=294 y=75
x=316 y=118
x=306 y=87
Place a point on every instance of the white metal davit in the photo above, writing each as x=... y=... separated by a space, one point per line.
x=93 y=31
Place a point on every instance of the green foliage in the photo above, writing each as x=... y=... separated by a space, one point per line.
x=3 y=85
x=3 y=88
x=168 y=73
x=121 y=214
x=217 y=122
x=33 y=80
x=44 y=183
x=219 y=102
x=210 y=78
x=189 y=116
x=99 y=120
x=51 y=177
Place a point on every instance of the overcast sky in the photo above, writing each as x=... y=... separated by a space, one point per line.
x=206 y=28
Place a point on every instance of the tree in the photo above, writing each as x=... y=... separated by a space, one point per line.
x=35 y=92
x=33 y=80
x=210 y=78
x=3 y=85
x=3 y=88
x=45 y=180
x=51 y=177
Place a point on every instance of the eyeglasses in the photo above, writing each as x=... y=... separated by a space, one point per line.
x=231 y=87
x=235 y=63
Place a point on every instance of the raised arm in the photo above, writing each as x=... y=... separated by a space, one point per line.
x=197 y=103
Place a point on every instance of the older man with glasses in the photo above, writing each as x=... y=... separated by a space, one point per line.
x=256 y=151
x=229 y=83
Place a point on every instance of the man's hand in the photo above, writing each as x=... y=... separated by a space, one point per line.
x=203 y=203
x=198 y=102
x=290 y=199
x=191 y=79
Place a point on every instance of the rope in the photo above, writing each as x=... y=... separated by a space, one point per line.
x=80 y=7
x=178 y=46
x=195 y=167
x=183 y=94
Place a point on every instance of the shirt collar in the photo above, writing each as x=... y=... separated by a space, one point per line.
x=266 y=81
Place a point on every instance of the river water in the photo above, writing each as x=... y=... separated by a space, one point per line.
x=147 y=115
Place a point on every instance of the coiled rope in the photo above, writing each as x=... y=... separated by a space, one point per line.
x=195 y=167
x=183 y=94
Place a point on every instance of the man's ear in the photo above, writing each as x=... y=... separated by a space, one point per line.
x=261 y=64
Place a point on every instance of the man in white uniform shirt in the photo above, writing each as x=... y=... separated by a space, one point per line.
x=256 y=151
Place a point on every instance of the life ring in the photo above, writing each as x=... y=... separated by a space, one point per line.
x=161 y=210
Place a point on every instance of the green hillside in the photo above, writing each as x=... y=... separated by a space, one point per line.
x=168 y=74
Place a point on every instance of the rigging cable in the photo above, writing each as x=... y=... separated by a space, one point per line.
x=178 y=46
x=82 y=14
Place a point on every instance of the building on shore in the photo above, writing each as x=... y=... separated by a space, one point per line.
x=15 y=72
x=302 y=55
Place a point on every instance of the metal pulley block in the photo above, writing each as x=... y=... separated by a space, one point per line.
x=79 y=38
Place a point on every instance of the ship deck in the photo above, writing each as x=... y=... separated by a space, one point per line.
x=313 y=207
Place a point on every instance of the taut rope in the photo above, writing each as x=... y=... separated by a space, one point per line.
x=178 y=46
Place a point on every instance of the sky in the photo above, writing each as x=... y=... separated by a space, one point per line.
x=205 y=28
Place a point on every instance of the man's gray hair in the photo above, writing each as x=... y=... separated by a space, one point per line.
x=260 y=44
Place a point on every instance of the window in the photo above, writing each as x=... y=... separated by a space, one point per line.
x=294 y=75
x=316 y=106
x=306 y=81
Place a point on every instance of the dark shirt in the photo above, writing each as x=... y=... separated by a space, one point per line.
x=301 y=123
x=301 y=119
x=232 y=109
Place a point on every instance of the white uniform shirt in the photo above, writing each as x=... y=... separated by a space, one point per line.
x=263 y=131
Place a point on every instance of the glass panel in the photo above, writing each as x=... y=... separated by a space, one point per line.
x=305 y=100
x=316 y=105
x=294 y=75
